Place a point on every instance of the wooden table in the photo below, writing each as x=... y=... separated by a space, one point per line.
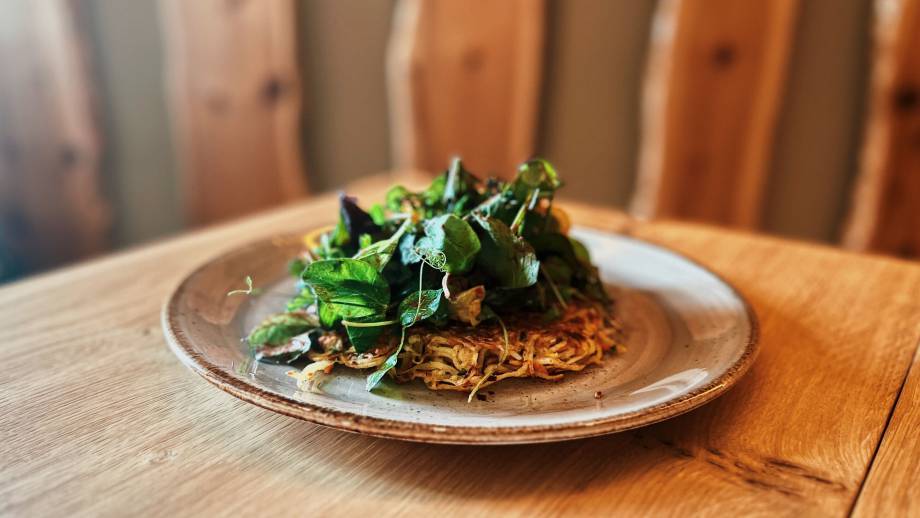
x=98 y=417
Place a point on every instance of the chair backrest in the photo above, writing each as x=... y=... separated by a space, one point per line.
x=885 y=213
x=235 y=89
x=713 y=89
x=51 y=203
x=464 y=79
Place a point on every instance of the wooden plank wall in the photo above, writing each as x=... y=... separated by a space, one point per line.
x=235 y=95
x=885 y=216
x=712 y=95
x=464 y=79
x=51 y=207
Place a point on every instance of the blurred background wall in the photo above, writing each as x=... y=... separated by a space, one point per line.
x=588 y=121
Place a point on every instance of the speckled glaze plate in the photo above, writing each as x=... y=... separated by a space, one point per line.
x=689 y=336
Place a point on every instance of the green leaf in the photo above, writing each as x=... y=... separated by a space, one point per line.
x=395 y=197
x=290 y=351
x=353 y=288
x=505 y=257
x=581 y=252
x=278 y=329
x=455 y=238
x=418 y=306
x=303 y=300
x=535 y=174
x=364 y=338
x=374 y=379
x=559 y=271
x=378 y=214
x=378 y=254
x=328 y=317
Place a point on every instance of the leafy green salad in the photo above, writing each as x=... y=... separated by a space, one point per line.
x=461 y=252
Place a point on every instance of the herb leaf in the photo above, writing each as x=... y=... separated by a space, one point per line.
x=364 y=338
x=455 y=238
x=505 y=257
x=418 y=306
x=278 y=329
x=353 y=288
x=378 y=254
x=374 y=378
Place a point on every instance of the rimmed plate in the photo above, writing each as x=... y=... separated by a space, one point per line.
x=690 y=336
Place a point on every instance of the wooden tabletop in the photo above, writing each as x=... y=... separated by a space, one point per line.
x=98 y=417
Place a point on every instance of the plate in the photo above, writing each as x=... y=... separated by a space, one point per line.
x=689 y=337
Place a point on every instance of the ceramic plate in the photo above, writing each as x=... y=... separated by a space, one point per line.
x=689 y=336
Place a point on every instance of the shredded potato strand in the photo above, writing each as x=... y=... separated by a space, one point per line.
x=467 y=359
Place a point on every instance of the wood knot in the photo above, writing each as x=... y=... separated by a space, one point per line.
x=68 y=157
x=723 y=55
x=217 y=103
x=905 y=98
x=473 y=59
x=273 y=90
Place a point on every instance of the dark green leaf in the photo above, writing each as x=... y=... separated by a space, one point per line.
x=581 y=252
x=505 y=257
x=378 y=254
x=374 y=379
x=352 y=287
x=454 y=238
x=365 y=338
x=418 y=306
x=278 y=329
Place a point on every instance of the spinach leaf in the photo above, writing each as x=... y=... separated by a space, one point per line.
x=365 y=338
x=278 y=329
x=418 y=306
x=505 y=257
x=454 y=238
x=378 y=254
x=328 y=317
x=353 y=288
x=374 y=379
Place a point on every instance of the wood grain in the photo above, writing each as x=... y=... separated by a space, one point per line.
x=235 y=95
x=100 y=418
x=464 y=79
x=885 y=209
x=711 y=99
x=51 y=206
x=891 y=488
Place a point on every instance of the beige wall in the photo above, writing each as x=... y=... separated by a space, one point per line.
x=589 y=120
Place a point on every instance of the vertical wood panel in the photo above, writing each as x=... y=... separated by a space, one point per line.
x=236 y=102
x=713 y=91
x=885 y=215
x=51 y=208
x=464 y=78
